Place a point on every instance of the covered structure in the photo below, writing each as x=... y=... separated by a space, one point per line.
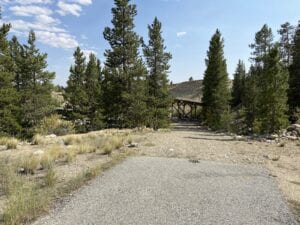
x=186 y=109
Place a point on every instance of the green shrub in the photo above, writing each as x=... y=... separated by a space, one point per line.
x=54 y=124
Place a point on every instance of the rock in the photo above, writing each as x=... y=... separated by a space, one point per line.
x=38 y=153
x=275 y=158
x=51 y=136
x=21 y=170
x=239 y=138
x=133 y=145
x=171 y=150
x=293 y=138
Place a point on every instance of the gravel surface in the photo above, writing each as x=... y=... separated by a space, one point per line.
x=165 y=191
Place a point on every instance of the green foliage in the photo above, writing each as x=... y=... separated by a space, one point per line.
x=94 y=93
x=286 y=33
x=272 y=95
x=35 y=85
x=124 y=73
x=294 y=81
x=216 y=94
x=75 y=92
x=83 y=93
x=159 y=99
x=238 y=87
x=9 y=111
x=54 y=124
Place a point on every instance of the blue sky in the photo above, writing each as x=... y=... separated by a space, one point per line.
x=188 y=25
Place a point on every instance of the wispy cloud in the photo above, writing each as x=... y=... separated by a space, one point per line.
x=181 y=34
x=30 y=10
x=42 y=17
x=68 y=8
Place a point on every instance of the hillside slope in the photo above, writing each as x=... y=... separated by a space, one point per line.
x=189 y=90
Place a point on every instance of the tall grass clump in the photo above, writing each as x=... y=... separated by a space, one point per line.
x=25 y=203
x=39 y=140
x=72 y=139
x=9 y=142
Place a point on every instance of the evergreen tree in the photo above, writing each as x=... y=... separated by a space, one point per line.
x=272 y=95
x=77 y=106
x=9 y=109
x=263 y=44
x=93 y=91
x=35 y=85
x=294 y=81
x=157 y=59
x=238 y=87
x=124 y=77
x=286 y=33
x=250 y=99
x=16 y=53
x=216 y=94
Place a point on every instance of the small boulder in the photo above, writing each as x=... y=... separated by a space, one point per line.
x=51 y=136
x=38 y=153
x=133 y=145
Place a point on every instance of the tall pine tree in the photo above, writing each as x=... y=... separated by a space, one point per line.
x=124 y=77
x=272 y=95
x=159 y=99
x=35 y=85
x=9 y=110
x=216 y=94
x=286 y=33
x=77 y=106
x=94 y=94
x=238 y=86
x=294 y=81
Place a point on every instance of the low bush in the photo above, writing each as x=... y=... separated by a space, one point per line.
x=54 y=124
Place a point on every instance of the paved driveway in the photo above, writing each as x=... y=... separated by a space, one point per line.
x=162 y=191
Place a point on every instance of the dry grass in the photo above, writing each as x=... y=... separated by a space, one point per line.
x=29 y=192
x=10 y=143
x=72 y=139
x=39 y=140
x=29 y=163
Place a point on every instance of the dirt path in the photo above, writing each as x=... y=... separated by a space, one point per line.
x=154 y=190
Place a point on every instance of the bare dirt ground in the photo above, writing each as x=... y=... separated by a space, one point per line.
x=193 y=142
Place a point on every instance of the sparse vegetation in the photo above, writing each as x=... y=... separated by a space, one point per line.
x=10 y=143
x=54 y=124
x=39 y=140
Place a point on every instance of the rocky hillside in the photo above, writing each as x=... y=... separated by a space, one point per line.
x=189 y=90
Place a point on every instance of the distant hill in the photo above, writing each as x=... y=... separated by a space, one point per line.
x=189 y=90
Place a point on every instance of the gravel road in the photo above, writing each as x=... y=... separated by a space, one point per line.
x=166 y=191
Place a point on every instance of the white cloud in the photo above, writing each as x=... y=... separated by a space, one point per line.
x=47 y=20
x=24 y=26
x=87 y=53
x=181 y=34
x=67 y=8
x=30 y=10
x=83 y=2
x=29 y=2
x=58 y=40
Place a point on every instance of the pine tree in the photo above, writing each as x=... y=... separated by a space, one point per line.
x=124 y=77
x=294 y=81
x=238 y=87
x=250 y=99
x=77 y=106
x=16 y=50
x=157 y=59
x=9 y=110
x=93 y=91
x=216 y=94
x=272 y=97
x=286 y=33
x=263 y=44
x=35 y=85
